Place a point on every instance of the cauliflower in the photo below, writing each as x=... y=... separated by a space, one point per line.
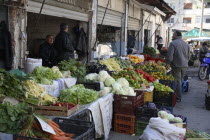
x=129 y=91
x=178 y=120
x=92 y=76
x=105 y=91
x=163 y=114
x=116 y=86
x=109 y=81
x=123 y=82
x=103 y=75
x=170 y=117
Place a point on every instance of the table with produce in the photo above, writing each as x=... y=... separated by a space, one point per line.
x=55 y=103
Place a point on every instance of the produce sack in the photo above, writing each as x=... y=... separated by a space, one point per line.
x=160 y=129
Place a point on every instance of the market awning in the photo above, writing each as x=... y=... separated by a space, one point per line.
x=199 y=39
x=152 y=8
x=195 y=33
x=160 y=4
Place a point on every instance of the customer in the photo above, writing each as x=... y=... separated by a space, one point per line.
x=63 y=44
x=47 y=52
x=159 y=43
x=203 y=51
x=178 y=57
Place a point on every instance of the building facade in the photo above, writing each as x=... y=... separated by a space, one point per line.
x=29 y=22
x=188 y=14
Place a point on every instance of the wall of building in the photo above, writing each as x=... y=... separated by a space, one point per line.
x=193 y=13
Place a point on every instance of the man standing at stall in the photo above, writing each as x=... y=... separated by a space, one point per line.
x=47 y=52
x=178 y=57
x=63 y=44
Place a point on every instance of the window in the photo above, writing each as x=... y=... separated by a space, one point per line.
x=186 y=20
x=187 y=5
x=208 y=20
x=198 y=20
x=170 y=20
x=208 y=5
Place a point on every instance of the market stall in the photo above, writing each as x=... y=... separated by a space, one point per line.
x=125 y=93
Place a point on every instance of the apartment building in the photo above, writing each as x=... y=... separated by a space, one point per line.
x=188 y=14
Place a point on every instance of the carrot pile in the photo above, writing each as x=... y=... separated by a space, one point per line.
x=60 y=135
x=36 y=131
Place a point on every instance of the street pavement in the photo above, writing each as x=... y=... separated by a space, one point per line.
x=192 y=106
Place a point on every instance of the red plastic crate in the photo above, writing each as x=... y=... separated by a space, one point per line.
x=124 y=124
x=127 y=104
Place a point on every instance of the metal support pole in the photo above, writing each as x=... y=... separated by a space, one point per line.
x=201 y=27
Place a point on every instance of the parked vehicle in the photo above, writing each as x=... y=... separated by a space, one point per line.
x=204 y=67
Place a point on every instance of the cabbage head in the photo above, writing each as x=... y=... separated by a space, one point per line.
x=116 y=86
x=170 y=117
x=105 y=91
x=163 y=114
x=109 y=81
x=129 y=91
x=121 y=91
x=123 y=82
x=103 y=75
x=92 y=77
x=178 y=120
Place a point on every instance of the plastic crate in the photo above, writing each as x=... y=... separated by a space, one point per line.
x=145 y=113
x=148 y=96
x=140 y=127
x=127 y=104
x=84 y=115
x=94 y=86
x=83 y=130
x=124 y=124
x=168 y=83
x=163 y=98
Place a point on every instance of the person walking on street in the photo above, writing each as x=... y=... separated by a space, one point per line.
x=63 y=44
x=159 y=43
x=178 y=57
x=203 y=51
x=47 y=52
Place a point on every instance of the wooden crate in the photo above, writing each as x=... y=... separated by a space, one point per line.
x=55 y=110
x=180 y=125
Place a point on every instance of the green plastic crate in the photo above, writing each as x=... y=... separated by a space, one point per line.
x=140 y=127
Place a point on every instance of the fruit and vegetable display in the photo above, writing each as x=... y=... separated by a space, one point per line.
x=13 y=117
x=111 y=64
x=135 y=79
x=146 y=76
x=69 y=105
x=76 y=68
x=45 y=75
x=160 y=87
x=78 y=94
x=35 y=90
x=151 y=66
x=196 y=134
x=11 y=85
x=135 y=59
x=162 y=76
x=123 y=63
x=20 y=119
x=149 y=50
x=96 y=68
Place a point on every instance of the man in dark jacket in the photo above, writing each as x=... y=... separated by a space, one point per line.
x=178 y=57
x=47 y=52
x=63 y=44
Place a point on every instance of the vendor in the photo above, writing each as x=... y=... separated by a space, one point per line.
x=47 y=52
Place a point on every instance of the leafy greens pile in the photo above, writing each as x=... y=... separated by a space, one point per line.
x=13 y=117
x=78 y=94
x=11 y=85
x=45 y=75
x=77 y=68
